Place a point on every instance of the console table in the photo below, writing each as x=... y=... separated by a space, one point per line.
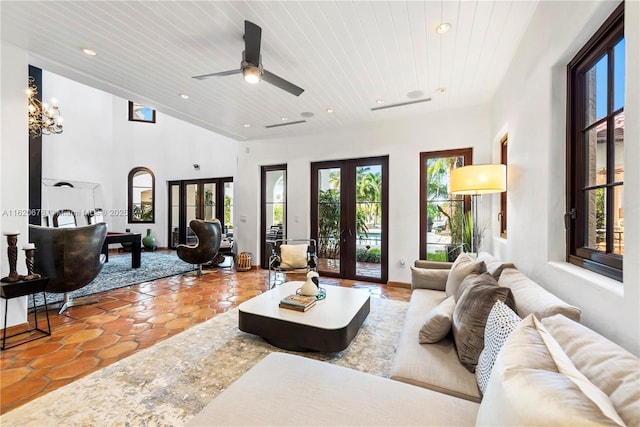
x=21 y=288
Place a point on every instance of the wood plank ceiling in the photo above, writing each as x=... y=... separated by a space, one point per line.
x=345 y=54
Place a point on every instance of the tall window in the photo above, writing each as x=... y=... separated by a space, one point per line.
x=442 y=214
x=595 y=151
x=142 y=193
x=502 y=216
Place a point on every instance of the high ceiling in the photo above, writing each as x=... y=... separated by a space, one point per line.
x=345 y=54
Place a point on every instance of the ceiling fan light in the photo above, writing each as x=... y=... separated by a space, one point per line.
x=251 y=74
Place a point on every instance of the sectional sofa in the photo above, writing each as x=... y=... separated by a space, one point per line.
x=549 y=369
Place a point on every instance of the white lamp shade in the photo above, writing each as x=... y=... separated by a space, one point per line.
x=478 y=179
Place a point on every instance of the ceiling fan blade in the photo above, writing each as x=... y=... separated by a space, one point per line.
x=222 y=73
x=281 y=83
x=252 y=39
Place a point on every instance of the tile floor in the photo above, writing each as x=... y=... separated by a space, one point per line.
x=123 y=321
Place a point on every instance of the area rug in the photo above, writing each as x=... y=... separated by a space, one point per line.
x=169 y=383
x=118 y=273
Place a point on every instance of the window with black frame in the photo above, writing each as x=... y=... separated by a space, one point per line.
x=595 y=151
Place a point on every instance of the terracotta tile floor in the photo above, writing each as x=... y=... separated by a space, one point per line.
x=123 y=321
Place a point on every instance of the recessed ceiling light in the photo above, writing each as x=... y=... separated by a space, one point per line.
x=379 y=101
x=284 y=118
x=441 y=89
x=184 y=96
x=89 y=52
x=247 y=125
x=443 y=28
x=330 y=110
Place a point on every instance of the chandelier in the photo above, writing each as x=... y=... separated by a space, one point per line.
x=43 y=120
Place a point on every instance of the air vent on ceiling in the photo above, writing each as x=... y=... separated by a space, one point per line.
x=286 y=124
x=401 y=104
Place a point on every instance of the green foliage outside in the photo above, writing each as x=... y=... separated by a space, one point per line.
x=227 y=212
x=368 y=255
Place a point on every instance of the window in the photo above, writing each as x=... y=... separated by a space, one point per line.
x=273 y=209
x=502 y=216
x=142 y=192
x=441 y=213
x=140 y=113
x=595 y=151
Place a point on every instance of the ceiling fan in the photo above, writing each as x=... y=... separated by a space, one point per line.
x=251 y=65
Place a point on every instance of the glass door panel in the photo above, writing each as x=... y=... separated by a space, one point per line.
x=191 y=193
x=228 y=207
x=274 y=208
x=369 y=220
x=174 y=195
x=209 y=202
x=329 y=219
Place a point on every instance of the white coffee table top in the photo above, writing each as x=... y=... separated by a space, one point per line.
x=333 y=312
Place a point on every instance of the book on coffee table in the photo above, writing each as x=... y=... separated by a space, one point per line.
x=298 y=302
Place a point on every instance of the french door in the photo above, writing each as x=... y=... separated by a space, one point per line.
x=349 y=217
x=198 y=199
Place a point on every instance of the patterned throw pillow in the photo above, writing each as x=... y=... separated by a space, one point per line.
x=500 y=324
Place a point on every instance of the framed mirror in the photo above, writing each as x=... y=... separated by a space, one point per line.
x=142 y=192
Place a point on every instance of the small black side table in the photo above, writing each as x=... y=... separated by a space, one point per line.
x=21 y=288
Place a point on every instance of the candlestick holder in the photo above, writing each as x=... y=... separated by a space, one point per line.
x=12 y=253
x=29 y=254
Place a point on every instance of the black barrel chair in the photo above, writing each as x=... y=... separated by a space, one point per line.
x=70 y=257
x=209 y=234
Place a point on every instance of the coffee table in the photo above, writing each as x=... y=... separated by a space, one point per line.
x=327 y=327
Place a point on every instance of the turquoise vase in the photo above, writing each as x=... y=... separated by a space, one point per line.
x=149 y=241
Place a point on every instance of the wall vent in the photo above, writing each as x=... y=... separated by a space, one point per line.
x=286 y=124
x=401 y=104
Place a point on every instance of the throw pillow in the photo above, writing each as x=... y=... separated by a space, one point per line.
x=461 y=268
x=293 y=256
x=428 y=278
x=535 y=383
x=494 y=265
x=470 y=316
x=502 y=321
x=437 y=324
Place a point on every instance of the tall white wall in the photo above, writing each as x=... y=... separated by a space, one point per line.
x=14 y=161
x=401 y=139
x=99 y=144
x=531 y=106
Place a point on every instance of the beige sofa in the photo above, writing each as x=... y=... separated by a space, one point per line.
x=552 y=371
x=436 y=366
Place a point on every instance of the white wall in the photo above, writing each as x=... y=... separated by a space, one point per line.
x=401 y=139
x=531 y=106
x=14 y=159
x=99 y=144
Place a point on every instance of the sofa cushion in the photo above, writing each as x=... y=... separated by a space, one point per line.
x=534 y=299
x=502 y=321
x=288 y=390
x=437 y=323
x=470 y=316
x=494 y=265
x=534 y=383
x=607 y=365
x=433 y=366
x=461 y=268
x=427 y=278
